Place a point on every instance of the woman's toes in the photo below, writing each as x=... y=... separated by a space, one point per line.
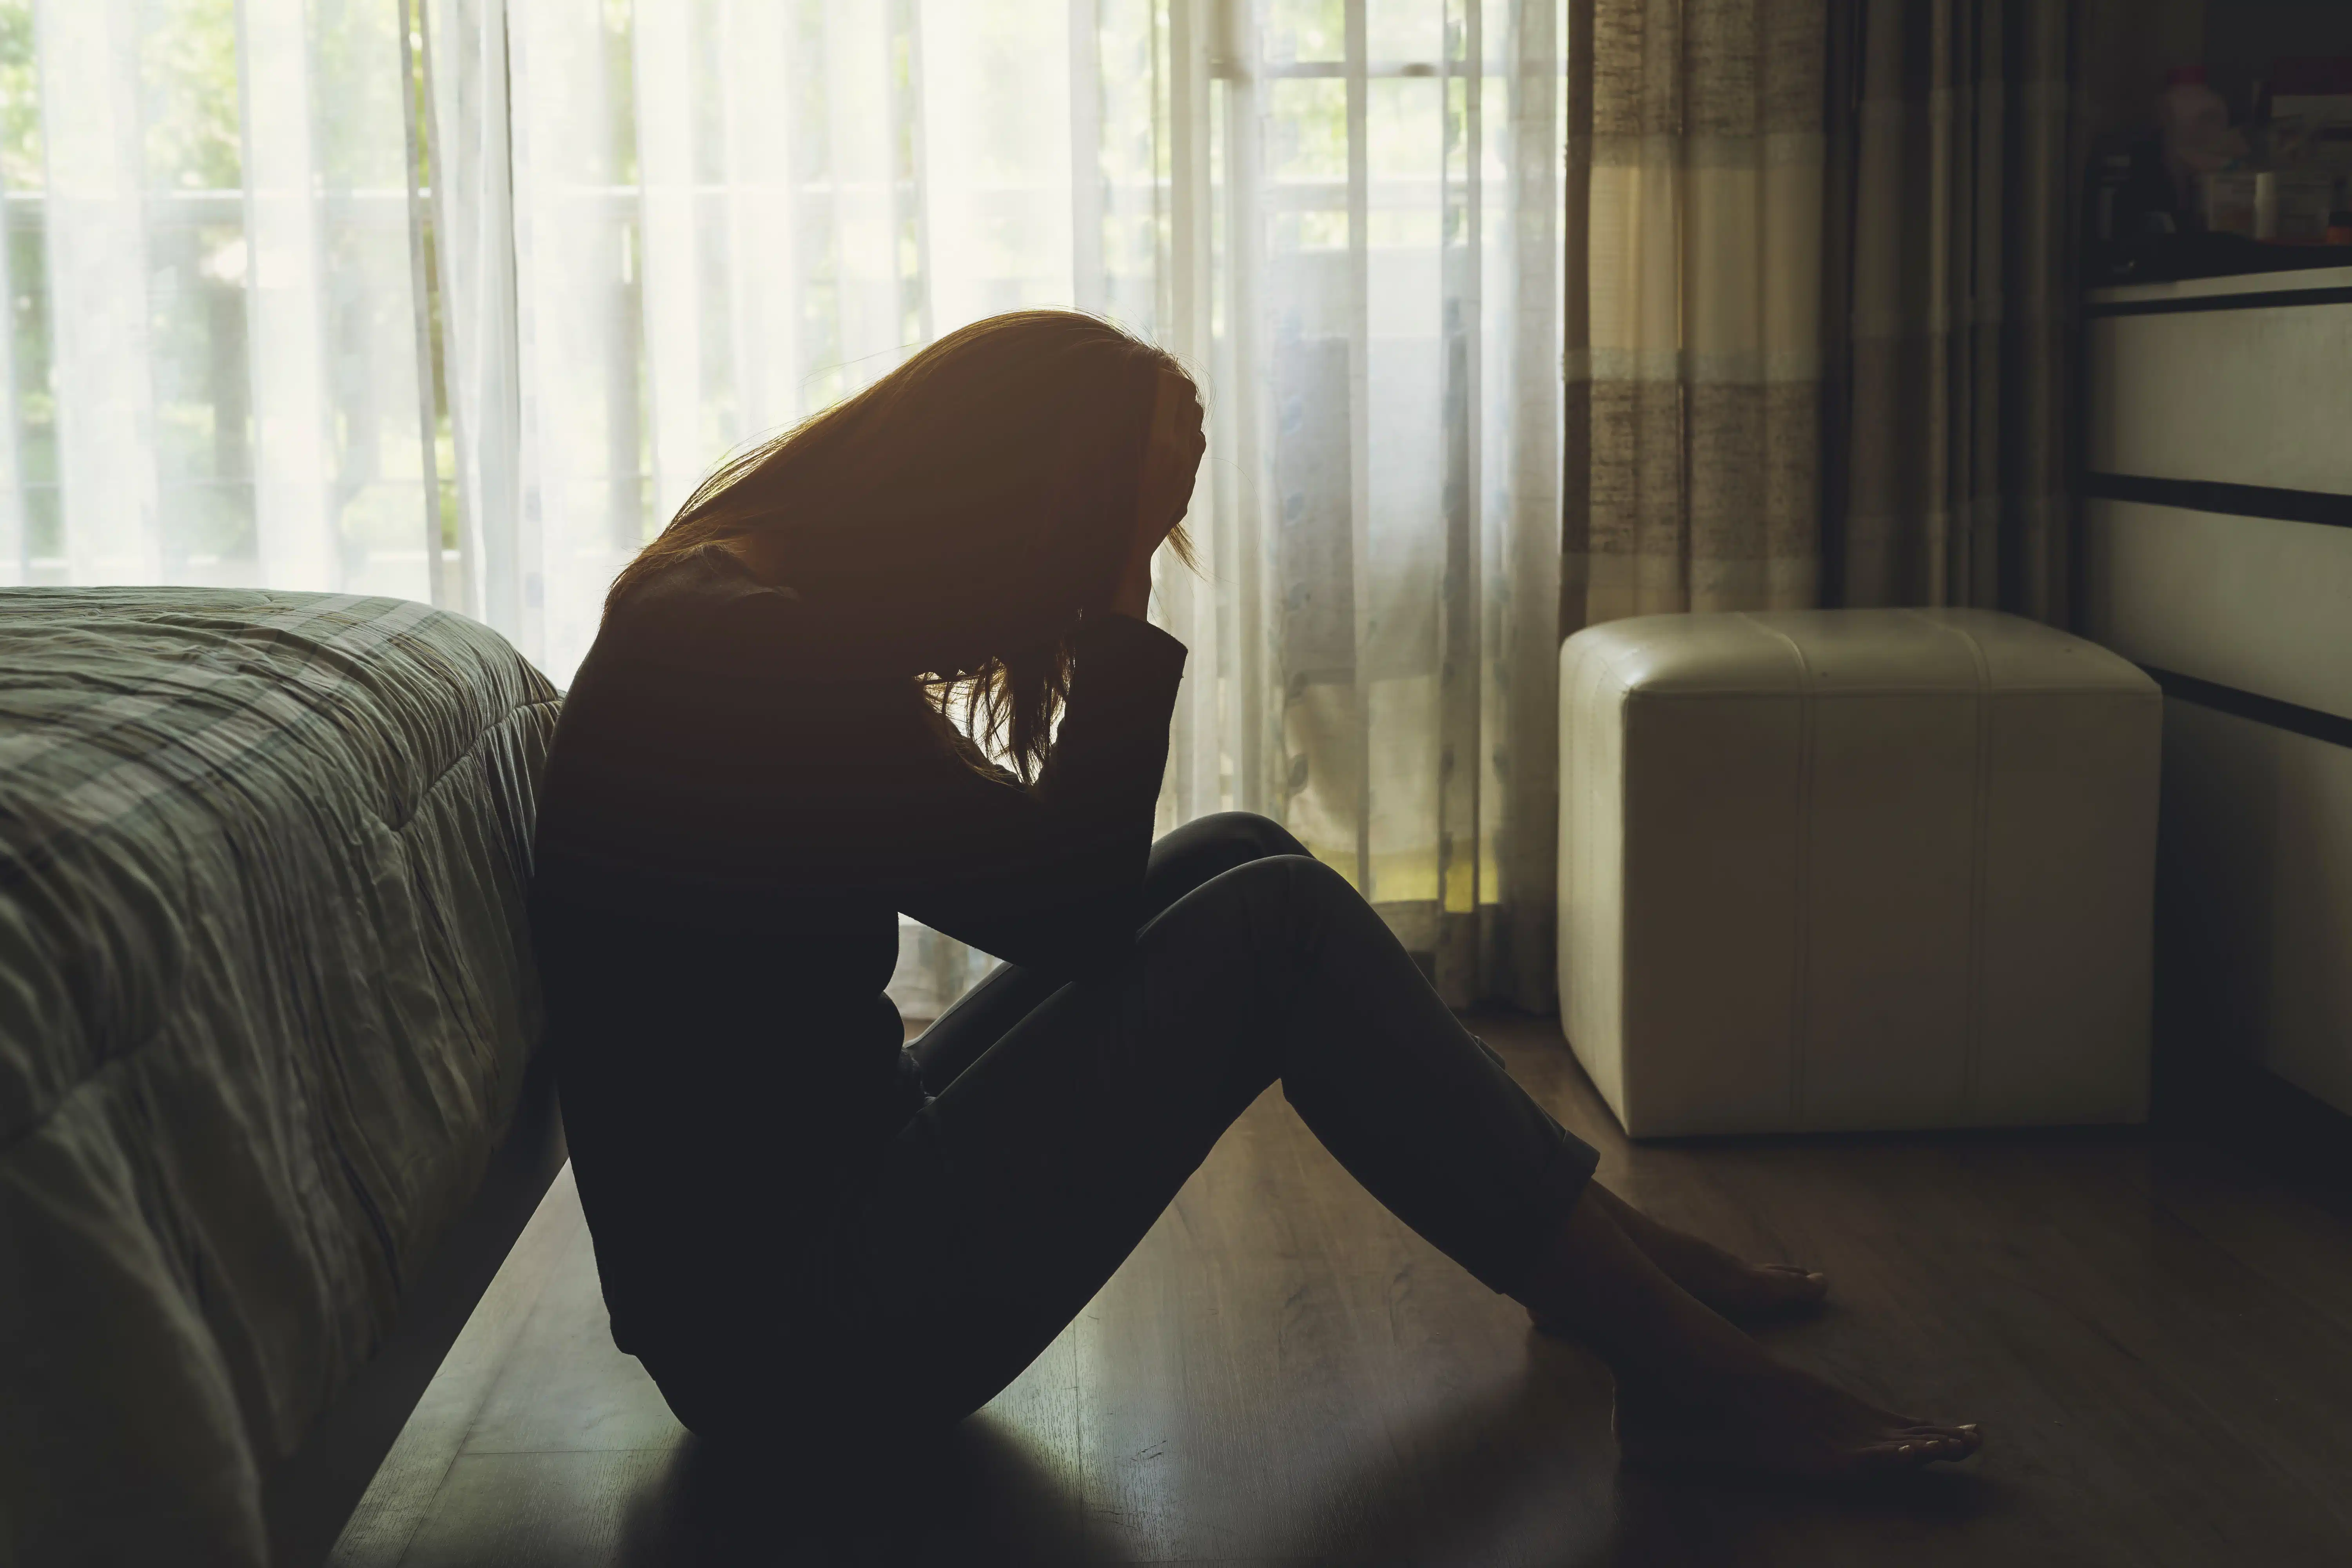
x=1966 y=1439
x=1952 y=1442
x=1763 y=1290
x=1799 y=1284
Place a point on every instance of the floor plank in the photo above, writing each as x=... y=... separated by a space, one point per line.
x=409 y=1481
x=2156 y=1335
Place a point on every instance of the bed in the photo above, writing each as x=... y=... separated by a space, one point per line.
x=266 y=1008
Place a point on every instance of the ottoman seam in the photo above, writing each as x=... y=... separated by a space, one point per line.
x=1801 y=923
x=1979 y=847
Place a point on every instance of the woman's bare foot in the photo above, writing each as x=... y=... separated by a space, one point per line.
x=1780 y=1421
x=1743 y=1291
x=1694 y=1390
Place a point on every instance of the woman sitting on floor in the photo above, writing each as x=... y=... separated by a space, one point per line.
x=800 y=1221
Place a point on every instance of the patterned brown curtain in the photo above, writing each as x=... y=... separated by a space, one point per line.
x=1953 y=147
x=1693 y=255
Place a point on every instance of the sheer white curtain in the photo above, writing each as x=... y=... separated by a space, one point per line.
x=217 y=370
x=481 y=350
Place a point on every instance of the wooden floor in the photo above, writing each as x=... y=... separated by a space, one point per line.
x=2157 y=1337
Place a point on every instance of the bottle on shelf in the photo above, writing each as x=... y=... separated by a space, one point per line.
x=2198 y=139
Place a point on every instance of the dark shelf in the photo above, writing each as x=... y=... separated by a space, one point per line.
x=2174 y=258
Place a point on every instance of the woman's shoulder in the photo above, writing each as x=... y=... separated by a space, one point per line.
x=698 y=580
x=701 y=599
x=702 y=625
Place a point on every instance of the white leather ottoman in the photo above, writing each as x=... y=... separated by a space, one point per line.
x=1857 y=868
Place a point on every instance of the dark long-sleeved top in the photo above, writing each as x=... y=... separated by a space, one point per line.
x=742 y=796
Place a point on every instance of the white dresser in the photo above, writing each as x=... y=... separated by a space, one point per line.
x=2218 y=555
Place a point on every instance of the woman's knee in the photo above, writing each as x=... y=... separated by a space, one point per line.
x=1297 y=885
x=1206 y=847
x=1260 y=836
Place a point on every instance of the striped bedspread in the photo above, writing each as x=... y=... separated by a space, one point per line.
x=265 y=1000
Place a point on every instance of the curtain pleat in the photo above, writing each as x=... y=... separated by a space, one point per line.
x=470 y=148
x=96 y=224
x=1957 y=150
x=286 y=298
x=1819 y=359
x=1694 y=304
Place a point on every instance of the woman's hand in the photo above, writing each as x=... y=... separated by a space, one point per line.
x=1170 y=463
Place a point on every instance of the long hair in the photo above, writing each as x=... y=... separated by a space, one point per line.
x=981 y=498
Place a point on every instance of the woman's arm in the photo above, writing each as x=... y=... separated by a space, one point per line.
x=1049 y=877
x=1055 y=878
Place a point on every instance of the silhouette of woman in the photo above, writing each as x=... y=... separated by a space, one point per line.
x=800 y=1223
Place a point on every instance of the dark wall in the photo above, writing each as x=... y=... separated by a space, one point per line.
x=2127 y=46
x=2243 y=36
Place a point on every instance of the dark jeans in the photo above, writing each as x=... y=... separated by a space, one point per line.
x=1065 y=1118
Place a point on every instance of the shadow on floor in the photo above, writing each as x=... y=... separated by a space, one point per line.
x=1524 y=1473
x=977 y=1496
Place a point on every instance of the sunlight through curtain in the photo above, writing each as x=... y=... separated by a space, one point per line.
x=278 y=321
x=212 y=366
